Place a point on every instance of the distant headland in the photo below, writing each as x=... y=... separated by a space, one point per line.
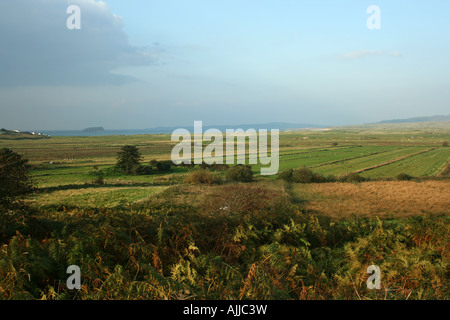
x=94 y=129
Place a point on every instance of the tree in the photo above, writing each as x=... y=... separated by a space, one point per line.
x=128 y=159
x=15 y=181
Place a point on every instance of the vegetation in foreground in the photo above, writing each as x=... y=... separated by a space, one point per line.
x=237 y=242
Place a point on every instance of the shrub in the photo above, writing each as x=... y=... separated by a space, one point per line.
x=240 y=173
x=154 y=163
x=99 y=181
x=186 y=165
x=286 y=175
x=164 y=166
x=202 y=176
x=221 y=167
x=319 y=178
x=403 y=177
x=303 y=175
x=445 y=144
x=141 y=170
x=351 y=177
x=215 y=166
x=205 y=166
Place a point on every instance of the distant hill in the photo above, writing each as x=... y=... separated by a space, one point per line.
x=269 y=126
x=418 y=119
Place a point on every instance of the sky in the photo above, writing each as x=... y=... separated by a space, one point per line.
x=139 y=64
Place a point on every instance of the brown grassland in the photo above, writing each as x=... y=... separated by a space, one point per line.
x=385 y=199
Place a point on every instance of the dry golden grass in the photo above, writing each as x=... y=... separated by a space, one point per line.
x=395 y=199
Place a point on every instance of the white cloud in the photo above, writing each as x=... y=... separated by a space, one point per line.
x=359 y=54
x=38 y=48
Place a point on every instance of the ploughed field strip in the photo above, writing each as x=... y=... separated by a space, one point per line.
x=429 y=163
x=330 y=156
x=364 y=162
x=393 y=160
x=100 y=148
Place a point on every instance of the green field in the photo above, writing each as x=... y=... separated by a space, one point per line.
x=363 y=162
x=97 y=196
x=426 y=164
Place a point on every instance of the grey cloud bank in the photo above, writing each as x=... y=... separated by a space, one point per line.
x=39 y=49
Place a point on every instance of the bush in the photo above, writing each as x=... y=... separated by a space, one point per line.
x=240 y=173
x=221 y=167
x=141 y=170
x=352 y=177
x=202 y=176
x=205 y=166
x=286 y=175
x=215 y=166
x=403 y=177
x=186 y=165
x=99 y=181
x=445 y=144
x=164 y=166
x=303 y=175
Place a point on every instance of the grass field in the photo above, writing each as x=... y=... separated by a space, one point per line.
x=424 y=164
x=97 y=196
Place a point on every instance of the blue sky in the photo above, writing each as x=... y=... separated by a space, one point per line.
x=141 y=64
